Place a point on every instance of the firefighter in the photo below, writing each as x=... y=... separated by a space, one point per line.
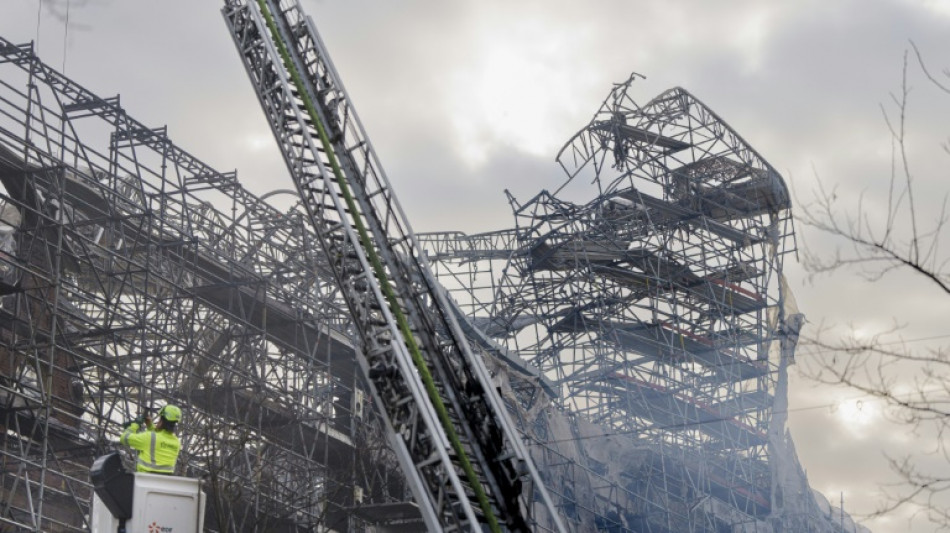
x=158 y=446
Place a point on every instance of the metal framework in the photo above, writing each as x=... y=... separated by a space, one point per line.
x=632 y=347
x=655 y=309
x=135 y=274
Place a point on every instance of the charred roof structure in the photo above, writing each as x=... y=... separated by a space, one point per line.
x=640 y=339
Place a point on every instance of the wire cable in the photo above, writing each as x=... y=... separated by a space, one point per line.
x=688 y=423
x=65 y=37
x=39 y=13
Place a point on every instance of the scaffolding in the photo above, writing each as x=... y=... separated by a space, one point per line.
x=639 y=340
x=655 y=311
x=133 y=274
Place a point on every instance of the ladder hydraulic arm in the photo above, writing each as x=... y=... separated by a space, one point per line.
x=463 y=458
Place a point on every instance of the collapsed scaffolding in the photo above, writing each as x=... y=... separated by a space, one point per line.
x=134 y=274
x=657 y=312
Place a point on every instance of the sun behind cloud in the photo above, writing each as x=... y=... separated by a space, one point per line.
x=858 y=415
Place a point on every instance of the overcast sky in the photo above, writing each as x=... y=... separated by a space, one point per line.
x=465 y=99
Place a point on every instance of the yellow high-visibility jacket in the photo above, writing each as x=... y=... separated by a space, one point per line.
x=158 y=450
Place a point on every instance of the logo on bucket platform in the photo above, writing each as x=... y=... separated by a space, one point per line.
x=155 y=528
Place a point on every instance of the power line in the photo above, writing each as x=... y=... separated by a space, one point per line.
x=65 y=36
x=39 y=12
x=890 y=343
x=686 y=423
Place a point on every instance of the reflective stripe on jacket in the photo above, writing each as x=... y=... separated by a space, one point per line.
x=158 y=450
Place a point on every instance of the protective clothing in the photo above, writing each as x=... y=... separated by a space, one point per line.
x=158 y=449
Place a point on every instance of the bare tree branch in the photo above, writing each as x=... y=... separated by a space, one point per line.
x=913 y=383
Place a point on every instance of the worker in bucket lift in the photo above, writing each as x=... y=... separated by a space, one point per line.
x=158 y=446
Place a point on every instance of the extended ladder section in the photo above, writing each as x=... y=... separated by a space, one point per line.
x=462 y=456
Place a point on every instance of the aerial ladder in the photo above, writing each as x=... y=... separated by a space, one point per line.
x=463 y=458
